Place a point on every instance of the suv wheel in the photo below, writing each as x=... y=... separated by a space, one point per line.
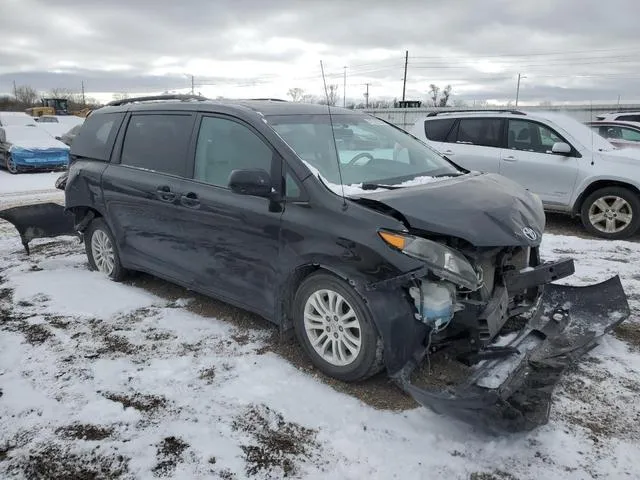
x=102 y=251
x=335 y=328
x=611 y=212
x=10 y=164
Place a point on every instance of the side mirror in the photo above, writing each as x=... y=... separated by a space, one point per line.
x=256 y=182
x=561 y=147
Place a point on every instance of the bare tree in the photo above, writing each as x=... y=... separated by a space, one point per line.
x=433 y=94
x=444 y=98
x=458 y=102
x=26 y=95
x=332 y=93
x=308 y=98
x=296 y=94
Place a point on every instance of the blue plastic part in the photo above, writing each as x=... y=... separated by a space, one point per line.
x=37 y=158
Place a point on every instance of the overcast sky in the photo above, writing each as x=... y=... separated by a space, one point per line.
x=567 y=50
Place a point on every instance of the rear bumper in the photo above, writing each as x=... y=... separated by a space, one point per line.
x=513 y=393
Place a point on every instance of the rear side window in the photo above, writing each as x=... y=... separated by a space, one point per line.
x=437 y=130
x=486 y=132
x=95 y=138
x=629 y=118
x=158 y=142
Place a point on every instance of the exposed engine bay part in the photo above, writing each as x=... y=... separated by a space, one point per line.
x=509 y=388
x=41 y=220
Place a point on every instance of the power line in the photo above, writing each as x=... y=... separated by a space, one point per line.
x=495 y=55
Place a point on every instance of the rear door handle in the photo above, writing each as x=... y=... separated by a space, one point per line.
x=165 y=194
x=510 y=158
x=190 y=200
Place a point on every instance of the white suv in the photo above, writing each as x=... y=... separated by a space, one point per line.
x=620 y=116
x=571 y=168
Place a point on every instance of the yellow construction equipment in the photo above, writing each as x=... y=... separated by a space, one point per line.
x=55 y=106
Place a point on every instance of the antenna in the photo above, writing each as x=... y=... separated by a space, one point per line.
x=333 y=135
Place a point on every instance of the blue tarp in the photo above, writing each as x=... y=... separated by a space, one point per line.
x=39 y=157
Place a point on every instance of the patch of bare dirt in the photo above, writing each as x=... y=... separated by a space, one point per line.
x=208 y=374
x=142 y=403
x=495 y=475
x=169 y=454
x=277 y=445
x=629 y=332
x=85 y=432
x=58 y=462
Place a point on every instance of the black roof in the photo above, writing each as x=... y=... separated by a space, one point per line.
x=199 y=103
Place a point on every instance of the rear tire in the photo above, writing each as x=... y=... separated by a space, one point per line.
x=102 y=251
x=611 y=212
x=329 y=314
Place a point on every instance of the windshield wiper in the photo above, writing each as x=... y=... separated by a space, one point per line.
x=374 y=186
x=456 y=174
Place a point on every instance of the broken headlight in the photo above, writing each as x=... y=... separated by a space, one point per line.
x=442 y=261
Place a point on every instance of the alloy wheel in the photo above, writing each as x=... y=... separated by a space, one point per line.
x=332 y=327
x=102 y=252
x=610 y=214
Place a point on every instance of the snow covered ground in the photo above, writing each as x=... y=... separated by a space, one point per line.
x=128 y=381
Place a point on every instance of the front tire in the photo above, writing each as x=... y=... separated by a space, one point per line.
x=102 y=251
x=612 y=213
x=335 y=328
x=10 y=164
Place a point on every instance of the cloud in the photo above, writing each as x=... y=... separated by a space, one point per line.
x=258 y=48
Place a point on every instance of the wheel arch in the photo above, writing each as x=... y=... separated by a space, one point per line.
x=598 y=184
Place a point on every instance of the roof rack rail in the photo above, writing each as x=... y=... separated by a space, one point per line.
x=267 y=100
x=472 y=110
x=151 y=98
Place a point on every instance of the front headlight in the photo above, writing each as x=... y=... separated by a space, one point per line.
x=442 y=261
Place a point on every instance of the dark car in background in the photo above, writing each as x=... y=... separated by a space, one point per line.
x=373 y=248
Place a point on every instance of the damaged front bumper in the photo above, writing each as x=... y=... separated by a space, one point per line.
x=510 y=388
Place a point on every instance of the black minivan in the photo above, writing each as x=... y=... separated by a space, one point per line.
x=374 y=248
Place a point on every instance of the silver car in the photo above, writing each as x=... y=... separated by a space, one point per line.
x=569 y=166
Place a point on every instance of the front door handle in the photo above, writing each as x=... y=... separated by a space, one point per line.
x=165 y=194
x=190 y=200
x=449 y=152
x=510 y=158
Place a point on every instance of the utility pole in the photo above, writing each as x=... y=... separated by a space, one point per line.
x=518 y=90
x=192 y=85
x=344 y=88
x=366 y=96
x=404 y=82
x=15 y=90
x=83 y=101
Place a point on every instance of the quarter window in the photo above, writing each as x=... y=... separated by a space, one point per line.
x=95 y=137
x=437 y=130
x=225 y=145
x=158 y=142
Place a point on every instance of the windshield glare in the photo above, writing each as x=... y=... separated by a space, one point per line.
x=370 y=150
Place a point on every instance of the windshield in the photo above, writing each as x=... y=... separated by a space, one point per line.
x=370 y=150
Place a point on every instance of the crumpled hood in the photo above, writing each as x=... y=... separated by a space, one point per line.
x=487 y=210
